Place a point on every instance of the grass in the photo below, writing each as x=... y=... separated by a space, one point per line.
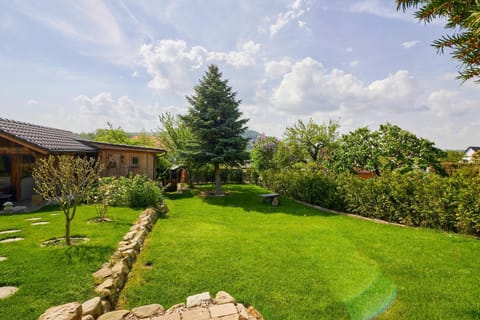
x=294 y=262
x=48 y=276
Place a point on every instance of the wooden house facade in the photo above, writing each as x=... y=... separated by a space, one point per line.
x=23 y=144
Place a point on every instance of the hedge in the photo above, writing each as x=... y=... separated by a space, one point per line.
x=415 y=198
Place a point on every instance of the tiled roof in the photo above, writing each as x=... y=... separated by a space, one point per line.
x=53 y=140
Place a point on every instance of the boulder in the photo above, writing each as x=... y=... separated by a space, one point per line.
x=114 y=315
x=92 y=307
x=224 y=297
x=148 y=311
x=198 y=299
x=69 y=311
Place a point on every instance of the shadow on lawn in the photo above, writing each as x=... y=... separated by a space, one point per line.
x=248 y=198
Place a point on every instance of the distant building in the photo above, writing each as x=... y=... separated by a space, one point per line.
x=468 y=154
x=23 y=144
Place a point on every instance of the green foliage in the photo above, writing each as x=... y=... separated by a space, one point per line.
x=214 y=119
x=136 y=191
x=313 y=142
x=263 y=151
x=463 y=18
x=387 y=149
x=66 y=180
x=112 y=135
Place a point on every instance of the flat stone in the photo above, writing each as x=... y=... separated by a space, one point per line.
x=10 y=231
x=171 y=316
x=198 y=299
x=40 y=223
x=107 y=284
x=224 y=297
x=230 y=317
x=3 y=259
x=103 y=273
x=88 y=317
x=148 y=311
x=54 y=214
x=33 y=219
x=114 y=315
x=196 y=314
x=69 y=311
x=179 y=307
x=11 y=240
x=6 y=292
x=221 y=310
x=92 y=307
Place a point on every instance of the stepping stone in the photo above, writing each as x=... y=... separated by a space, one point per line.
x=3 y=259
x=11 y=240
x=6 y=292
x=54 y=214
x=40 y=223
x=9 y=231
x=33 y=219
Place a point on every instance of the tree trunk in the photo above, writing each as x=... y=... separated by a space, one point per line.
x=67 y=232
x=218 y=187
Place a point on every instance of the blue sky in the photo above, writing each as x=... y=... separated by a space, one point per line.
x=77 y=64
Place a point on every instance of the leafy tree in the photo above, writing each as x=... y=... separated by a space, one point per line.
x=313 y=142
x=463 y=17
x=263 y=151
x=453 y=156
x=387 y=149
x=358 y=150
x=66 y=180
x=215 y=121
x=112 y=135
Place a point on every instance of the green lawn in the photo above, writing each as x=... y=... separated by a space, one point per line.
x=293 y=262
x=48 y=276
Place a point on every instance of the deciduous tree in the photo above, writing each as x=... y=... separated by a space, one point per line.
x=67 y=181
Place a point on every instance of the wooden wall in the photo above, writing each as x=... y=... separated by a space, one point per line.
x=122 y=163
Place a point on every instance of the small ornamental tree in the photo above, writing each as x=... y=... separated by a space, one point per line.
x=215 y=121
x=67 y=181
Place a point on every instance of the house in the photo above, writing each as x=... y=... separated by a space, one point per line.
x=468 y=154
x=23 y=144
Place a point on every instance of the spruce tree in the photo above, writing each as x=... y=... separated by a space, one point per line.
x=214 y=119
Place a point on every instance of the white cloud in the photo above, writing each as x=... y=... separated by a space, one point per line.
x=32 y=102
x=301 y=23
x=308 y=87
x=410 y=44
x=353 y=63
x=277 y=68
x=384 y=9
x=295 y=10
x=94 y=112
x=349 y=49
x=170 y=62
x=447 y=103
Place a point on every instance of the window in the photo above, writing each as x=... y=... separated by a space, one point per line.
x=135 y=162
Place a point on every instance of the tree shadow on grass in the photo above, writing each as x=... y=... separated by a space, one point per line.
x=248 y=198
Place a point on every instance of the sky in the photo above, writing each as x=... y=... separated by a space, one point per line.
x=77 y=65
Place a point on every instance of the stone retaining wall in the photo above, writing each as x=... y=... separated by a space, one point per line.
x=113 y=275
x=197 y=307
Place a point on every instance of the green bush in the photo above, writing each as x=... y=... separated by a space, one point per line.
x=414 y=198
x=135 y=191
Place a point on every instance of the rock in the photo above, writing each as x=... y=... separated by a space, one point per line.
x=198 y=299
x=242 y=311
x=254 y=313
x=222 y=310
x=7 y=291
x=176 y=308
x=106 y=306
x=92 y=307
x=148 y=311
x=88 y=317
x=104 y=272
x=224 y=297
x=69 y=311
x=114 y=315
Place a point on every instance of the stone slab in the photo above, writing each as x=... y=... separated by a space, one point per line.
x=114 y=315
x=148 y=311
x=221 y=310
x=33 y=219
x=39 y=223
x=3 y=259
x=6 y=292
x=171 y=316
x=92 y=307
x=196 y=314
x=224 y=297
x=11 y=240
x=198 y=299
x=69 y=311
x=10 y=231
